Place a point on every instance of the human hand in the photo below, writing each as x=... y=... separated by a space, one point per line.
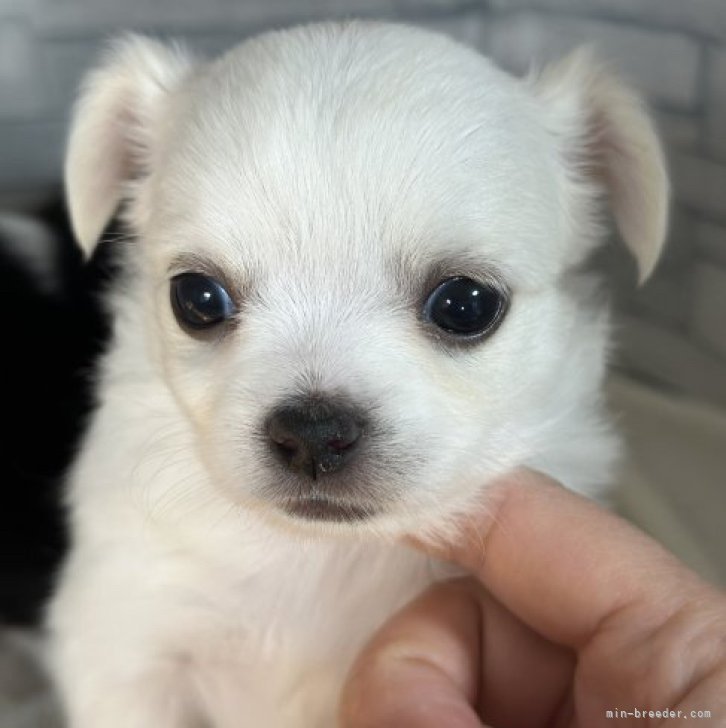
x=570 y=612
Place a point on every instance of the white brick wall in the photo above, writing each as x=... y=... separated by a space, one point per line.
x=665 y=65
x=664 y=355
x=682 y=130
x=700 y=183
x=666 y=298
x=704 y=17
x=23 y=86
x=673 y=331
x=709 y=306
x=716 y=93
x=78 y=18
x=710 y=240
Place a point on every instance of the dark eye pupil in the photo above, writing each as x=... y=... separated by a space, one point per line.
x=198 y=301
x=464 y=306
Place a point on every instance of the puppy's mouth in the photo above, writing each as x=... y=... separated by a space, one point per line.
x=320 y=508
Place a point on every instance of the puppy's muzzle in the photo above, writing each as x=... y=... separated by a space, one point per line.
x=314 y=437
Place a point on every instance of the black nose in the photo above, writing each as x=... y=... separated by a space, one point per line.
x=314 y=437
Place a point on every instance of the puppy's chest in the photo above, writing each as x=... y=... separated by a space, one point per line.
x=273 y=647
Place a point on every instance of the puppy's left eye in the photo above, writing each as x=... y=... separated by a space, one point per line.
x=199 y=302
x=465 y=307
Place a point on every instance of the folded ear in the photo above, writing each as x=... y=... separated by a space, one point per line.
x=115 y=127
x=610 y=138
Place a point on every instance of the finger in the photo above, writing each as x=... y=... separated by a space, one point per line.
x=563 y=564
x=525 y=680
x=421 y=670
x=453 y=648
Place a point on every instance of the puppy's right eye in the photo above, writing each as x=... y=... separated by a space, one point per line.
x=199 y=302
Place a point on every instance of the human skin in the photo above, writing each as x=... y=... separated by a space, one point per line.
x=569 y=612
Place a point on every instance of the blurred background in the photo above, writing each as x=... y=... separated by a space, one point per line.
x=669 y=387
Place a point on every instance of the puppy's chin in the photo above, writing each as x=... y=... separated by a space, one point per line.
x=325 y=510
x=323 y=515
x=337 y=501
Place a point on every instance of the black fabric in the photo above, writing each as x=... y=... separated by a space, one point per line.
x=48 y=348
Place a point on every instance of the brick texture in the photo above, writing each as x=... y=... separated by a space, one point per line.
x=667 y=357
x=665 y=65
x=23 y=86
x=709 y=306
x=716 y=93
x=79 y=18
x=706 y=17
x=700 y=183
x=710 y=240
x=683 y=131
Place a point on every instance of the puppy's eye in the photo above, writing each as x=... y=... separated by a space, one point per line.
x=199 y=302
x=465 y=307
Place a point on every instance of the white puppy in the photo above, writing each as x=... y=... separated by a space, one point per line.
x=350 y=301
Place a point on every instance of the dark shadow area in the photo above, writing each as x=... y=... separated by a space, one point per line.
x=51 y=342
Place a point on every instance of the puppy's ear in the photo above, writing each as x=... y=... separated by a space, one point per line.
x=607 y=135
x=115 y=127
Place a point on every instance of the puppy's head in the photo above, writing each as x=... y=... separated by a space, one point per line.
x=355 y=246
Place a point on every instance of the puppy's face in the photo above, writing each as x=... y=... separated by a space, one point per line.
x=353 y=246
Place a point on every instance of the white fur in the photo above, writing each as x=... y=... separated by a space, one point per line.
x=323 y=169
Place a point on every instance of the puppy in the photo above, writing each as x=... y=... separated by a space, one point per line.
x=351 y=300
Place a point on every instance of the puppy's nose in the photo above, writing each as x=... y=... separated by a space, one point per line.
x=314 y=437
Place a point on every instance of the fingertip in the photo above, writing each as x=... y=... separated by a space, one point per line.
x=394 y=692
x=420 y=670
